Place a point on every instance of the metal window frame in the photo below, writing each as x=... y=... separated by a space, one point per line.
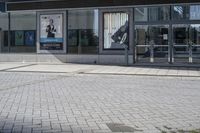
x=111 y=51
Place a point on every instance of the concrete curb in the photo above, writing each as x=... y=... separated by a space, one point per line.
x=153 y=75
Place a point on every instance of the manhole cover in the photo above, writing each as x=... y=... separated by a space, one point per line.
x=117 y=127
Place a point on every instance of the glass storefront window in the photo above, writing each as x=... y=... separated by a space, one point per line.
x=180 y=12
x=195 y=12
x=141 y=14
x=151 y=43
x=152 y=13
x=116 y=30
x=23 y=32
x=159 y=13
x=194 y=41
x=158 y=35
x=3 y=32
x=186 y=46
x=181 y=46
x=180 y=34
x=194 y=34
x=83 y=31
x=141 y=34
x=142 y=42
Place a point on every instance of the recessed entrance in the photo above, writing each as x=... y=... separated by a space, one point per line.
x=186 y=43
x=151 y=43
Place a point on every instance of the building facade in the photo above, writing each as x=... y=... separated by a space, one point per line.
x=96 y=31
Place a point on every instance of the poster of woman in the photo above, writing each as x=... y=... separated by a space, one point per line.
x=51 y=32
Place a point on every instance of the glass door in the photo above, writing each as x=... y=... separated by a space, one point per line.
x=151 y=43
x=181 y=48
x=115 y=30
x=143 y=50
x=158 y=36
x=194 y=41
x=186 y=46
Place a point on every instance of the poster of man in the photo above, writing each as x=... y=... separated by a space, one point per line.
x=51 y=32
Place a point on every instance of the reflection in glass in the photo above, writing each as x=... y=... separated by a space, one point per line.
x=152 y=13
x=3 y=32
x=180 y=43
x=23 y=32
x=194 y=34
x=159 y=13
x=142 y=54
x=142 y=42
x=83 y=31
x=195 y=12
x=141 y=14
x=186 y=42
x=115 y=30
x=194 y=40
x=151 y=41
x=180 y=12
x=158 y=35
x=180 y=35
x=141 y=34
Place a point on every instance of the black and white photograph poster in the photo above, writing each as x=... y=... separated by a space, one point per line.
x=51 y=32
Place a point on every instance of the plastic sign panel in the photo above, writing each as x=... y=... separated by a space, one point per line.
x=51 y=32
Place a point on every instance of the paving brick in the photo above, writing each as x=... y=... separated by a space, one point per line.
x=51 y=102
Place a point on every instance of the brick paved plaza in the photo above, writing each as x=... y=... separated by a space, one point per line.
x=93 y=103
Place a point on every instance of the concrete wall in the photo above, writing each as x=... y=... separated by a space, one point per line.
x=63 y=58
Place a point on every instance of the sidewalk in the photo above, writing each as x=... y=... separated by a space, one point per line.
x=100 y=69
x=50 y=98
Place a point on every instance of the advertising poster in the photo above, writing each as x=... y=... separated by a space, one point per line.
x=51 y=32
x=30 y=38
x=116 y=30
x=19 y=38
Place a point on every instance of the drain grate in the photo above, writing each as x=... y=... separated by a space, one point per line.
x=117 y=127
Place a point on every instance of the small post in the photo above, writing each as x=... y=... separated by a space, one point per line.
x=122 y=42
x=151 y=51
x=190 y=52
x=126 y=54
x=79 y=42
x=9 y=33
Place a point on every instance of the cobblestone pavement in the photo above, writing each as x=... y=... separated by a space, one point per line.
x=81 y=103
